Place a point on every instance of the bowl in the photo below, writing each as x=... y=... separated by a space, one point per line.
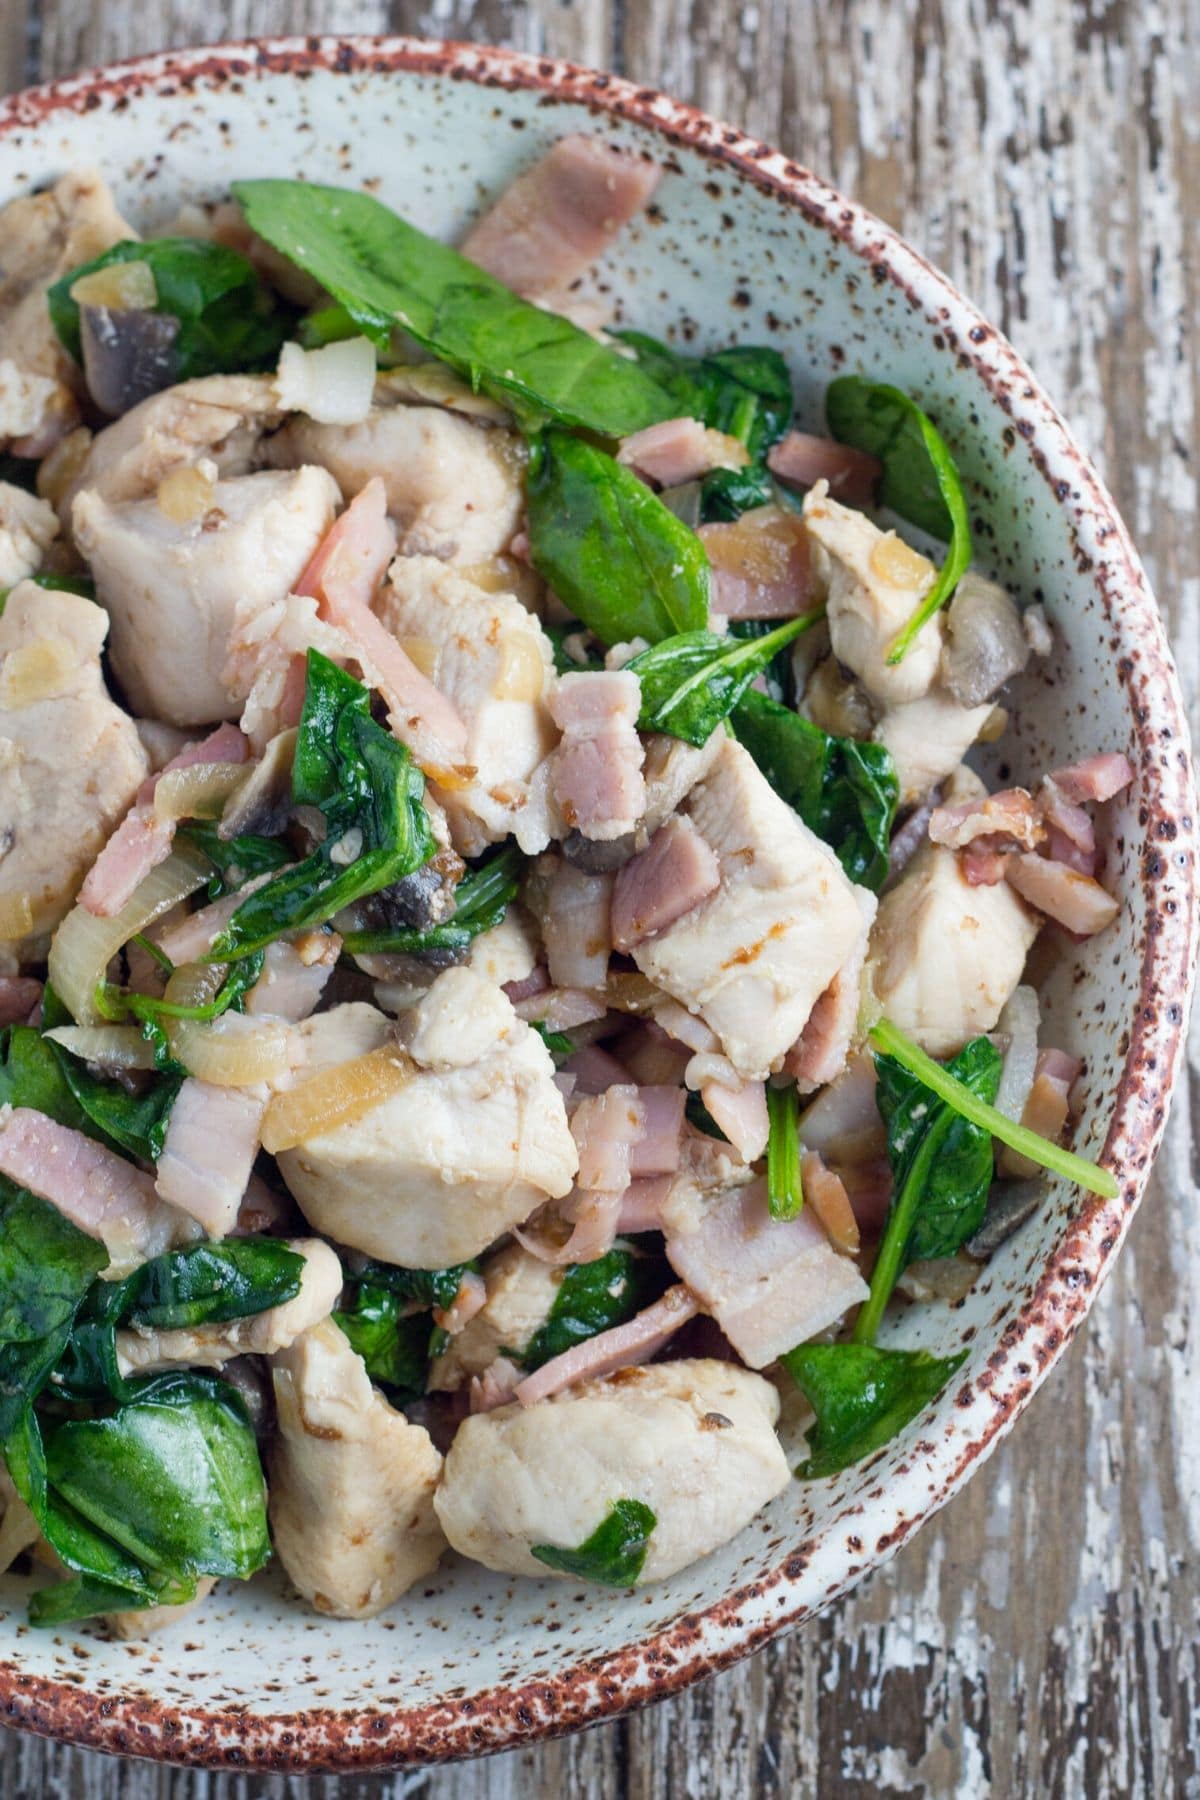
x=740 y=243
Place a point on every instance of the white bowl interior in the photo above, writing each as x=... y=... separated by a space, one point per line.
x=718 y=259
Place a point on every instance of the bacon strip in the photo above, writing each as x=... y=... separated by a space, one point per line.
x=1077 y=902
x=213 y=1137
x=636 y=1341
x=673 y=874
x=1095 y=777
x=802 y=461
x=680 y=450
x=597 y=772
x=19 y=994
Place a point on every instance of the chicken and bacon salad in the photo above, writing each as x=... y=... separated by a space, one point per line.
x=504 y=966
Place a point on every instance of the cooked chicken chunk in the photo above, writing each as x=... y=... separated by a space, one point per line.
x=946 y=956
x=42 y=237
x=56 y=810
x=260 y=1334
x=692 y=1440
x=351 y=1482
x=142 y=1622
x=928 y=738
x=521 y=1289
x=875 y=583
x=492 y=659
x=27 y=526
x=172 y=586
x=755 y=956
x=218 y=416
x=464 y=1150
x=453 y=484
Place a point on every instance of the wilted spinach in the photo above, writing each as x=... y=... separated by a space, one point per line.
x=725 y=494
x=237 y=859
x=593 y=1297
x=420 y=1287
x=744 y=391
x=392 y=1340
x=614 y=1553
x=692 y=681
x=862 y=1397
x=481 y=900
x=38 y=1073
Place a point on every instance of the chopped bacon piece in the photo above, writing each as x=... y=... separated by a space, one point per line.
x=213 y=1137
x=1066 y=817
x=537 y=982
x=1046 y=1108
x=802 y=461
x=597 y=776
x=1095 y=777
x=556 y=219
x=470 y=1299
x=353 y=556
x=595 y=1071
x=674 y=873
x=605 y=1129
x=680 y=450
x=1012 y=813
x=826 y=1193
x=819 y=1053
x=656 y=1150
x=642 y=1204
x=760 y=564
x=1059 y=848
x=740 y=1111
x=982 y=864
x=19 y=994
x=1077 y=902
x=495 y=1387
x=636 y=1341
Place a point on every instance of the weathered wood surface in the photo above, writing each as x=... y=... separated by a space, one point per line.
x=1040 y=1638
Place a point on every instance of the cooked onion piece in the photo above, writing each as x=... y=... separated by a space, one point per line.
x=107 y=1046
x=198 y=792
x=337 y=1096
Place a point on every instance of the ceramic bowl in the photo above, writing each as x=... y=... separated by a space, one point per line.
x=740 y=243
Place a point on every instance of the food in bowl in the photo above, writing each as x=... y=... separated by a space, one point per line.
x=504 y=962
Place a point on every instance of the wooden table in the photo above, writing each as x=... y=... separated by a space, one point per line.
x=1039 y=1637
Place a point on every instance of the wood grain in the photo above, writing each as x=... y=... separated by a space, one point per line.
x=1040 y=1637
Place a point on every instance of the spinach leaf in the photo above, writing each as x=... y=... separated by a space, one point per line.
x=202 y=1284
x=326 y=325
x=940 y=1081
x=370 y=791
x=43 y=1075
x=228 y=320
x=421 y=1287
x=229 y=997
x=46 y=1266
x=386 y=273
x=785 y=1194
x=694 y=680
x=481 y=900
x=725 y=494
x=392 y=1340
x=65 y=584
x=558 y=1043
x=565 y=664
x=609 y=548
x=30 y=1075
x=237 y=859
x=920 y=481
x=942 y=1168
x=744 y=391
x=843 y=790
x=779 y=675
x=615 y=1551
x=862 y=1397
x=593 y=1297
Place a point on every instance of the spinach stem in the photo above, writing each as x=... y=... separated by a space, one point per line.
x=785 y=1193
x=901 y=1218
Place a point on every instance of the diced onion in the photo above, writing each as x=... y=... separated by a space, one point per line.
x=522 y=673
x=123 y=286
x=337 y=1096
x=232 y=1051
x=185 y=495
x=37 y=672
x=84 y=945
x=1020 y=1020
x=108 y=1046
x=16 y=917
x=632 y=993
x=333 y=385
x=198 y=792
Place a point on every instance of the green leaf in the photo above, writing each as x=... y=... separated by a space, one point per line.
x=559 y=1043
x=237 y=859
x=785 y=1195
x=370 y=791
x=609 y=548
x=744 y=391
x=725 y=494
x=593 y=1297
x=421 y=1287
x=862 y=1398
x=327 y=325
x=558 y=634
x=843 y=790
x=65 y=584
x=133 y=1122
x=614 y=1553
x=940 y=1081
x=228 y=320
x=385 y=273
x=691 y=682
x=941 y=1165
x=31 y=1075
x=481 y=900
x=920 y=480
x=392 y=1340
x=46 y=1266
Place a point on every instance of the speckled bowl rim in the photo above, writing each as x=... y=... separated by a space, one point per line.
x=702 y=1642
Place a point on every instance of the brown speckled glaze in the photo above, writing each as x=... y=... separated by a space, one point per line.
x=743 y=242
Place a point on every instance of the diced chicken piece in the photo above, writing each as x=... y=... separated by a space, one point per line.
x=671 y=770
x=874 y=583
x=621 y=1347
x=802 y=461
x=221 y=417
x=454 y=484
x=521 y=1289
x=945 y=956
x=1076 y=902
x=145 y=1621
x=172 y=587
x=464 y=1150
x=208 y=1154
x=351 y=1482
x=769 y=1283
x=27 y=527
x=260 y=1334
x=19 y=994
x=597 y=775
x=843 y=1122
x=491 y=659
x=761 y=566
x=42 y=237
x=560 y=216
x=97 y=1190
x=56 y=809
x=574 y=910
x=509 y=951
x=680 y=450
x=755 y=956
x=691 y=1440
x=819 y=1055
x=673 y=874
x=929 y=737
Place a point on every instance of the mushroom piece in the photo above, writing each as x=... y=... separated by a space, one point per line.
x=985 y=640
x=128 y=354
x=351 y=1481
x=692 y=1440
